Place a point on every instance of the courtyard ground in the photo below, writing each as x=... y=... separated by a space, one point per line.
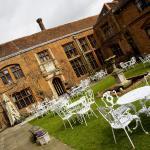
x=98 y=135
x=19 y=138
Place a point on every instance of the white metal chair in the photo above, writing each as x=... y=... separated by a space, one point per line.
x=145 y=109
x=108 y=99
x=109 y=102
x=119 y=122
x=85 y=110
x=65 y=115
x=132 y=62
x=123 y=65
x=90 y=97
x=144 y=60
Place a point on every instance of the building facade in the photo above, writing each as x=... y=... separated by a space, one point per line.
x=122 y=28
x=47 y=63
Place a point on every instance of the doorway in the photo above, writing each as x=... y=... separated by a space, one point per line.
x=58 y=85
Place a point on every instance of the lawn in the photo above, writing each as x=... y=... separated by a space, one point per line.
x=97 y=135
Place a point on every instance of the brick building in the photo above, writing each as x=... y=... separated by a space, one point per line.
x=123 y=28
x=48 y=63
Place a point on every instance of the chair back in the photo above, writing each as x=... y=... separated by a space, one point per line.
x=133 y=60
x=105 y=112
x=108 y=99
x=62 y=112
x=84 y=101
x=141 y=59
x=89 y=95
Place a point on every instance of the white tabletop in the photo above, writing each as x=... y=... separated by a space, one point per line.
x=134 y=95
x=76 y=103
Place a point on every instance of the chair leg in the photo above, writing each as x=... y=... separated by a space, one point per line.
x=88 y=115
x=70 y=124
x=84 y=120
x=129 y=138
x=114 y=135
x=94 y=113
x=96 y=104
x=143 y=127
x=64 y=124
x=129 y=129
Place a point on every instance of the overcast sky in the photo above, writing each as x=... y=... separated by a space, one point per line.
x=18 y=17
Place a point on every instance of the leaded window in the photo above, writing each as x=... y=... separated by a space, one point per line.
x=116 y=50
x=23 y=98
x=84 y=44
x=5 y=76
x=107 y=30
x=92 y=40
x=92 y=60
x=43 y=56
x=70 y=50
x=78 y=67
x=17 y=71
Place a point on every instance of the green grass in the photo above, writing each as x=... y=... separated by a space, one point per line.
x=138 y=70
x=97 y=135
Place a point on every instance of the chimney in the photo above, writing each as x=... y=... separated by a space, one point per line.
x=39 y=21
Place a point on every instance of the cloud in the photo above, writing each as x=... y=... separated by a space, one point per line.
x=18 y=17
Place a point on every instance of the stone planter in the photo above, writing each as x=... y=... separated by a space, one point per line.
x=43 y=139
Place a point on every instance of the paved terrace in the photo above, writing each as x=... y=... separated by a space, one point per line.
x=19 y=138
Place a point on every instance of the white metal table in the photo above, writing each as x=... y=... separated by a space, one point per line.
x=134 y=95
x=73 y=106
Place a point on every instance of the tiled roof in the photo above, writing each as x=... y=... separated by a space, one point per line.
x=46 y=35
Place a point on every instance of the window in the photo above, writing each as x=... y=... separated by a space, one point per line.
x=92 y=60
x=23 y=98
x=147 y=30
x=107 y=30
x=5 y=76
x=70 y=50
x=17 y=72
x=84 y=44
x=92 y=40
x=116 y=50
x=43 y=56
x=78 y=67
x=141 y=4
x=100 y=56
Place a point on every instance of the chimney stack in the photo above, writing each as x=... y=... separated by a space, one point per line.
x=39 y=21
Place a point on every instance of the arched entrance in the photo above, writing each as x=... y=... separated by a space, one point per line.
x=58 y=85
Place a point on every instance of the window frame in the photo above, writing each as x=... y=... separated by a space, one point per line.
x=78 y=67
x=107 y=29
x=6 y=78
x=23 y=100
x=92 y=40
x=84 y=44
x=90 y=57
x=70 y=50
x=44 y=56
x=18 y=73
x=115 y=47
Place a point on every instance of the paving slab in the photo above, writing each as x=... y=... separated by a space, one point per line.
x=19 y=138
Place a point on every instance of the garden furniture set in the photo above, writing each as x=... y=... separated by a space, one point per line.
x=119 y=112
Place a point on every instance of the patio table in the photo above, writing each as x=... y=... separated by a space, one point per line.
x=74 y=105
x=134 y=95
